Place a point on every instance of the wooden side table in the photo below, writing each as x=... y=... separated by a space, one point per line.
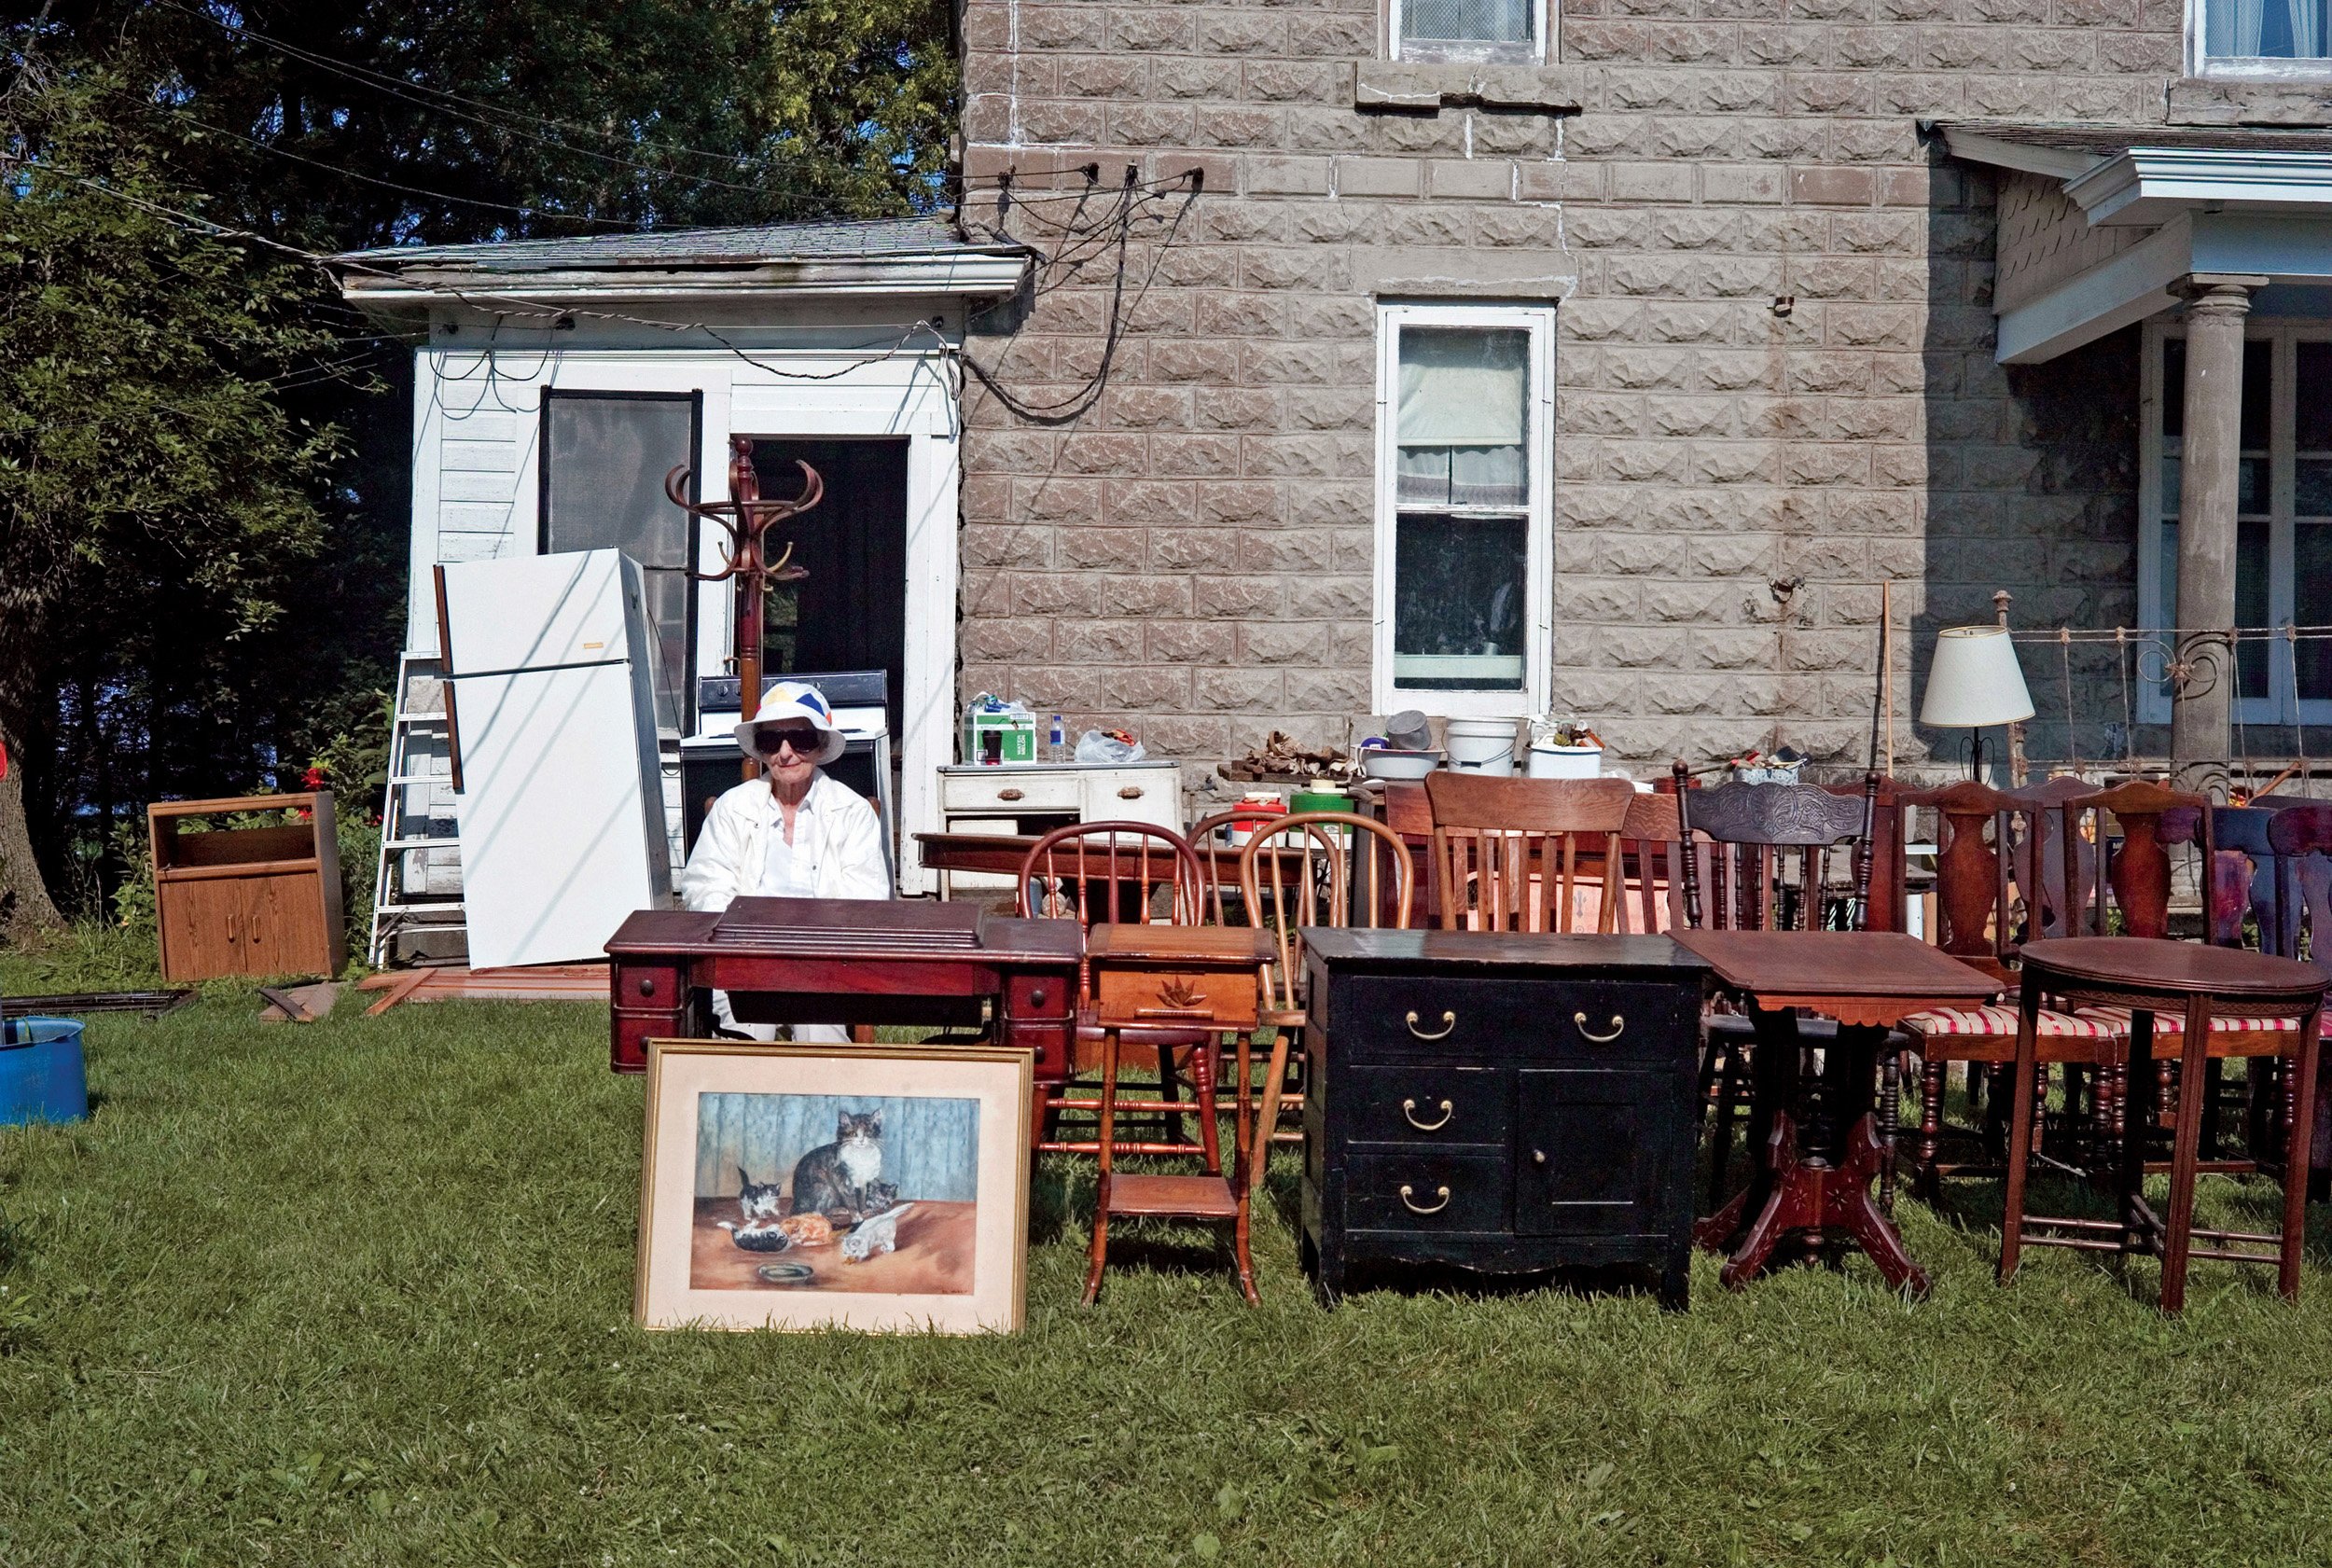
x=1208 y=977
x=2150 y=975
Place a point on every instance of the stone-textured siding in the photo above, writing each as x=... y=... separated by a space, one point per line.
x=1775 y=382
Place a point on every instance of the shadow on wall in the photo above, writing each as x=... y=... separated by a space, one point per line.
x=2030 y=486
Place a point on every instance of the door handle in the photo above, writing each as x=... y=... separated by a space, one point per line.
x=1416 y=1208
x=1409 y=1109
x=1617 y=1024
x=1449 y=1022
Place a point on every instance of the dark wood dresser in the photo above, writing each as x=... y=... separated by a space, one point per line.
x=1501 y=1102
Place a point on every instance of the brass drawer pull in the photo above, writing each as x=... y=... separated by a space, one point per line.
x=1131 y=792
x=1409 y=1109
x=1449 y=1022
x=1010 y=793
x=1413 y=1207
x=1617 y=1024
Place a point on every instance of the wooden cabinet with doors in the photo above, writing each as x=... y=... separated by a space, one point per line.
x=247 y=900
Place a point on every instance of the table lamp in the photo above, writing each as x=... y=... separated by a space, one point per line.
x=1975 y=681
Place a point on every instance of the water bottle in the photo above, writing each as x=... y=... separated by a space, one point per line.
x=1059 y=741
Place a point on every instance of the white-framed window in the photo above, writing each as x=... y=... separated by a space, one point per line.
x=2283 y=516
x=1497 y=32
x=2262 y=38
x=1464 y=561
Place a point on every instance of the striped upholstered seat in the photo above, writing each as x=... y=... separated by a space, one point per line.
x=2170 y=1026
x=1997 y=1019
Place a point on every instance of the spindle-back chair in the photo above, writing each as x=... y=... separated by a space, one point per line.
x=1506 y=851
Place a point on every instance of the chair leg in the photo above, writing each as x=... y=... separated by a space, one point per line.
x=1727 y=1099
x=1890 y=1115
x=1202 y=1070
x=1932 y=1077
x=1108 y=1135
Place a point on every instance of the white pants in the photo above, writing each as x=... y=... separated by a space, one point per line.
x=803 y=1034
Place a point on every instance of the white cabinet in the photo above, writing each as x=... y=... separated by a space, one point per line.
x=1033 y=797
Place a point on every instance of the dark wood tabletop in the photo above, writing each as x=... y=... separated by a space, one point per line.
x=696 y=934
x=1237 y=945
x=2159 y=963
x=1864 y=973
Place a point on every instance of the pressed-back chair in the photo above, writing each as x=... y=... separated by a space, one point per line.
x=1754 y=831
x=1109 y=873
x=1506 y=850
x=1299 y=871
x=1978 y=835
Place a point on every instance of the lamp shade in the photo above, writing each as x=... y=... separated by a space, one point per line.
x=1975 y=680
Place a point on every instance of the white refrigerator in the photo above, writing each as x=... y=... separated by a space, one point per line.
x=552 y=702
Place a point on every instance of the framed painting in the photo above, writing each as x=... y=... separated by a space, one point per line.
x=879 y=1188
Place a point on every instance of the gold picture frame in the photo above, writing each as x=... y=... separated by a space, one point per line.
x=910 y=1165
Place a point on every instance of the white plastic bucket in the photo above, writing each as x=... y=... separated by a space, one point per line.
x=1483 y=745
x=1551 y=761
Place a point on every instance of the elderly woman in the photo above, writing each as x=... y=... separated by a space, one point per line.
x=792 y=834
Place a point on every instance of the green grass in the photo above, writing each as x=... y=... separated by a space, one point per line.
x=359 y=1293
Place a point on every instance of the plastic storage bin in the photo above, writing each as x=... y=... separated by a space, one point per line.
x=42 y=1074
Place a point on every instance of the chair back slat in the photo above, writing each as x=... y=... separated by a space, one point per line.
x=1063 y=871
x=1757 y=832
x=2134 y=878
x=1504 y=852
x=1324 y=890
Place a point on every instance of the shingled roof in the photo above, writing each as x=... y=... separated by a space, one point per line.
x=761 y=245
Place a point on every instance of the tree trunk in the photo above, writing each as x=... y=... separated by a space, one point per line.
x=24 y=902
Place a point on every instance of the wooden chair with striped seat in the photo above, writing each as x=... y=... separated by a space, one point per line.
x=1977 y=917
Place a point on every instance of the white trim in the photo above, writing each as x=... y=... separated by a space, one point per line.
x=1538 y=563
x=2148 y=186
x=1546 y=39
x=1977 y=147
x=2275 y=706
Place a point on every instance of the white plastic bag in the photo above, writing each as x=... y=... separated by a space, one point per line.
x=1097 y=749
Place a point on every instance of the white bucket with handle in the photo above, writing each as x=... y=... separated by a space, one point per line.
x=1483 y=745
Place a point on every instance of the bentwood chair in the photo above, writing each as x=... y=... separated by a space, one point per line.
x=1300 y=871
x=1506 y=851
x=1114 y=873
x=1227 y=824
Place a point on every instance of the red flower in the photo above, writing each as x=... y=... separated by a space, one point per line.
x=313 y=778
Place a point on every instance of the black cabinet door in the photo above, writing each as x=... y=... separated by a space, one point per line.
x=1601 y=1151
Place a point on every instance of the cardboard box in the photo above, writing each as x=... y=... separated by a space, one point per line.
x=1016 y=734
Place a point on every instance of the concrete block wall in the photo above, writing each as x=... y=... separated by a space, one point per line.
x=1775 y=382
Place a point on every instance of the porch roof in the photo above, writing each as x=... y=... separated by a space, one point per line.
x=925 y=255
x=2109 y=218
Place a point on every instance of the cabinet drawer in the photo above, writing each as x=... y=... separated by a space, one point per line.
x=1426 y=1192
x=1006 y=792
x=1384 y=1015
x=1424 y=1104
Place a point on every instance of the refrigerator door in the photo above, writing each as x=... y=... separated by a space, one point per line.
x=536 y=612
x=562 y=831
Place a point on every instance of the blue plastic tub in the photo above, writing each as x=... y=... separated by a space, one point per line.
x=42 y=1074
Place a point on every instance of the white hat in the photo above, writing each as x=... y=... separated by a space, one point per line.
x=791 y=699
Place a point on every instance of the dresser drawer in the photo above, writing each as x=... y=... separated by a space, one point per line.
x=1426 y=1192
x=1008 y=791
x=1380 y=1016
x=1425 y=1105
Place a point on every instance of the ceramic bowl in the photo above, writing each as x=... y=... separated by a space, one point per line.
x=1384 y=762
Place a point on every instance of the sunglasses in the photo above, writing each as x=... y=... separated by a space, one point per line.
x=803 y=738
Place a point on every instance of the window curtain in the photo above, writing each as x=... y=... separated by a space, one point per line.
x=2265 y=29
x=1462 y=417
x=2235 y=28
x=2307 y=22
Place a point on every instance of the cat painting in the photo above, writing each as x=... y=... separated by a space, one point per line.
x=874 y=1237
x=832 y=1179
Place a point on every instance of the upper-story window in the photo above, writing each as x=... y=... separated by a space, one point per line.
x=2260 y=37
x=1511 y=32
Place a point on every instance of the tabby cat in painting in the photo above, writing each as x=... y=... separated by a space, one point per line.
x=832 y=1179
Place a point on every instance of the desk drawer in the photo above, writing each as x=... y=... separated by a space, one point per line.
x=1008 y=793
x=1427 y=1104
x=1168 y=999
x=1392 y=1015
x=1426 y=1192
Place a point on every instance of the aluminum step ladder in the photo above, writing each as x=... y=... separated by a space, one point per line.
x=417 y=886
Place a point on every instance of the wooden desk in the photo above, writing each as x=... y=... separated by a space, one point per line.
x=1867 y=981
x=845 y=961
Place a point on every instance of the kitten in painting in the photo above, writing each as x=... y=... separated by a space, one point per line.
x=832 y=1179
x=757 y=1205
x=874 y=1237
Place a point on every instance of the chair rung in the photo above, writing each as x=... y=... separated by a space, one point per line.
x=1118 y=1147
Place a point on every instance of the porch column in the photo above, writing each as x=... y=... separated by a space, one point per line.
x=2200 y=739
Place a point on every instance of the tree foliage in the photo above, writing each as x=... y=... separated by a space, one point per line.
x=207 y=504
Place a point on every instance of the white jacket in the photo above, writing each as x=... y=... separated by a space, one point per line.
x=734 y=844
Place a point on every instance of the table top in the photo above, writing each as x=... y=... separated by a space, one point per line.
x=2159 y=963
x=1805 y=964
x=1467 y=949
x=694 y=933
x=1205 y=946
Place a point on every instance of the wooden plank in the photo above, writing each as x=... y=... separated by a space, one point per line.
x=406 y=985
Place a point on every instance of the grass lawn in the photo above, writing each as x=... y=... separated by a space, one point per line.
x=359 y=1293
